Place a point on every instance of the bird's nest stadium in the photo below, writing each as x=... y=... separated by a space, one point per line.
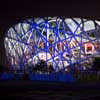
x=52 y=44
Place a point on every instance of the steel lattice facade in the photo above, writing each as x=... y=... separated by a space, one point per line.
x=62 y=43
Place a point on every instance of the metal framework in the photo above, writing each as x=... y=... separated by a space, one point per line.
x=61 y=42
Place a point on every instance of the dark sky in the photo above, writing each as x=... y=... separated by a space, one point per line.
x=12 y=11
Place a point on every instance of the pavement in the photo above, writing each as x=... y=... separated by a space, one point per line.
x=38 y=90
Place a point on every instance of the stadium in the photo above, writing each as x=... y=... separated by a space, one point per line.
x=58 y=42
x=52 y=45
x=49 y=50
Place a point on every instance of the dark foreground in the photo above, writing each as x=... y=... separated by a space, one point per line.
x=30 y=90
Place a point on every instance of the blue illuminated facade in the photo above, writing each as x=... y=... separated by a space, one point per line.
x=52 y=44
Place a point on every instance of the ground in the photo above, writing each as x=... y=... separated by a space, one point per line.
x=32 y=90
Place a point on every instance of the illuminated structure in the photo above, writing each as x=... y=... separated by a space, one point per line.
x=62 y=43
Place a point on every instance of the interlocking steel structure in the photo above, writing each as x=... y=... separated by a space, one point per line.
x=64 y=43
